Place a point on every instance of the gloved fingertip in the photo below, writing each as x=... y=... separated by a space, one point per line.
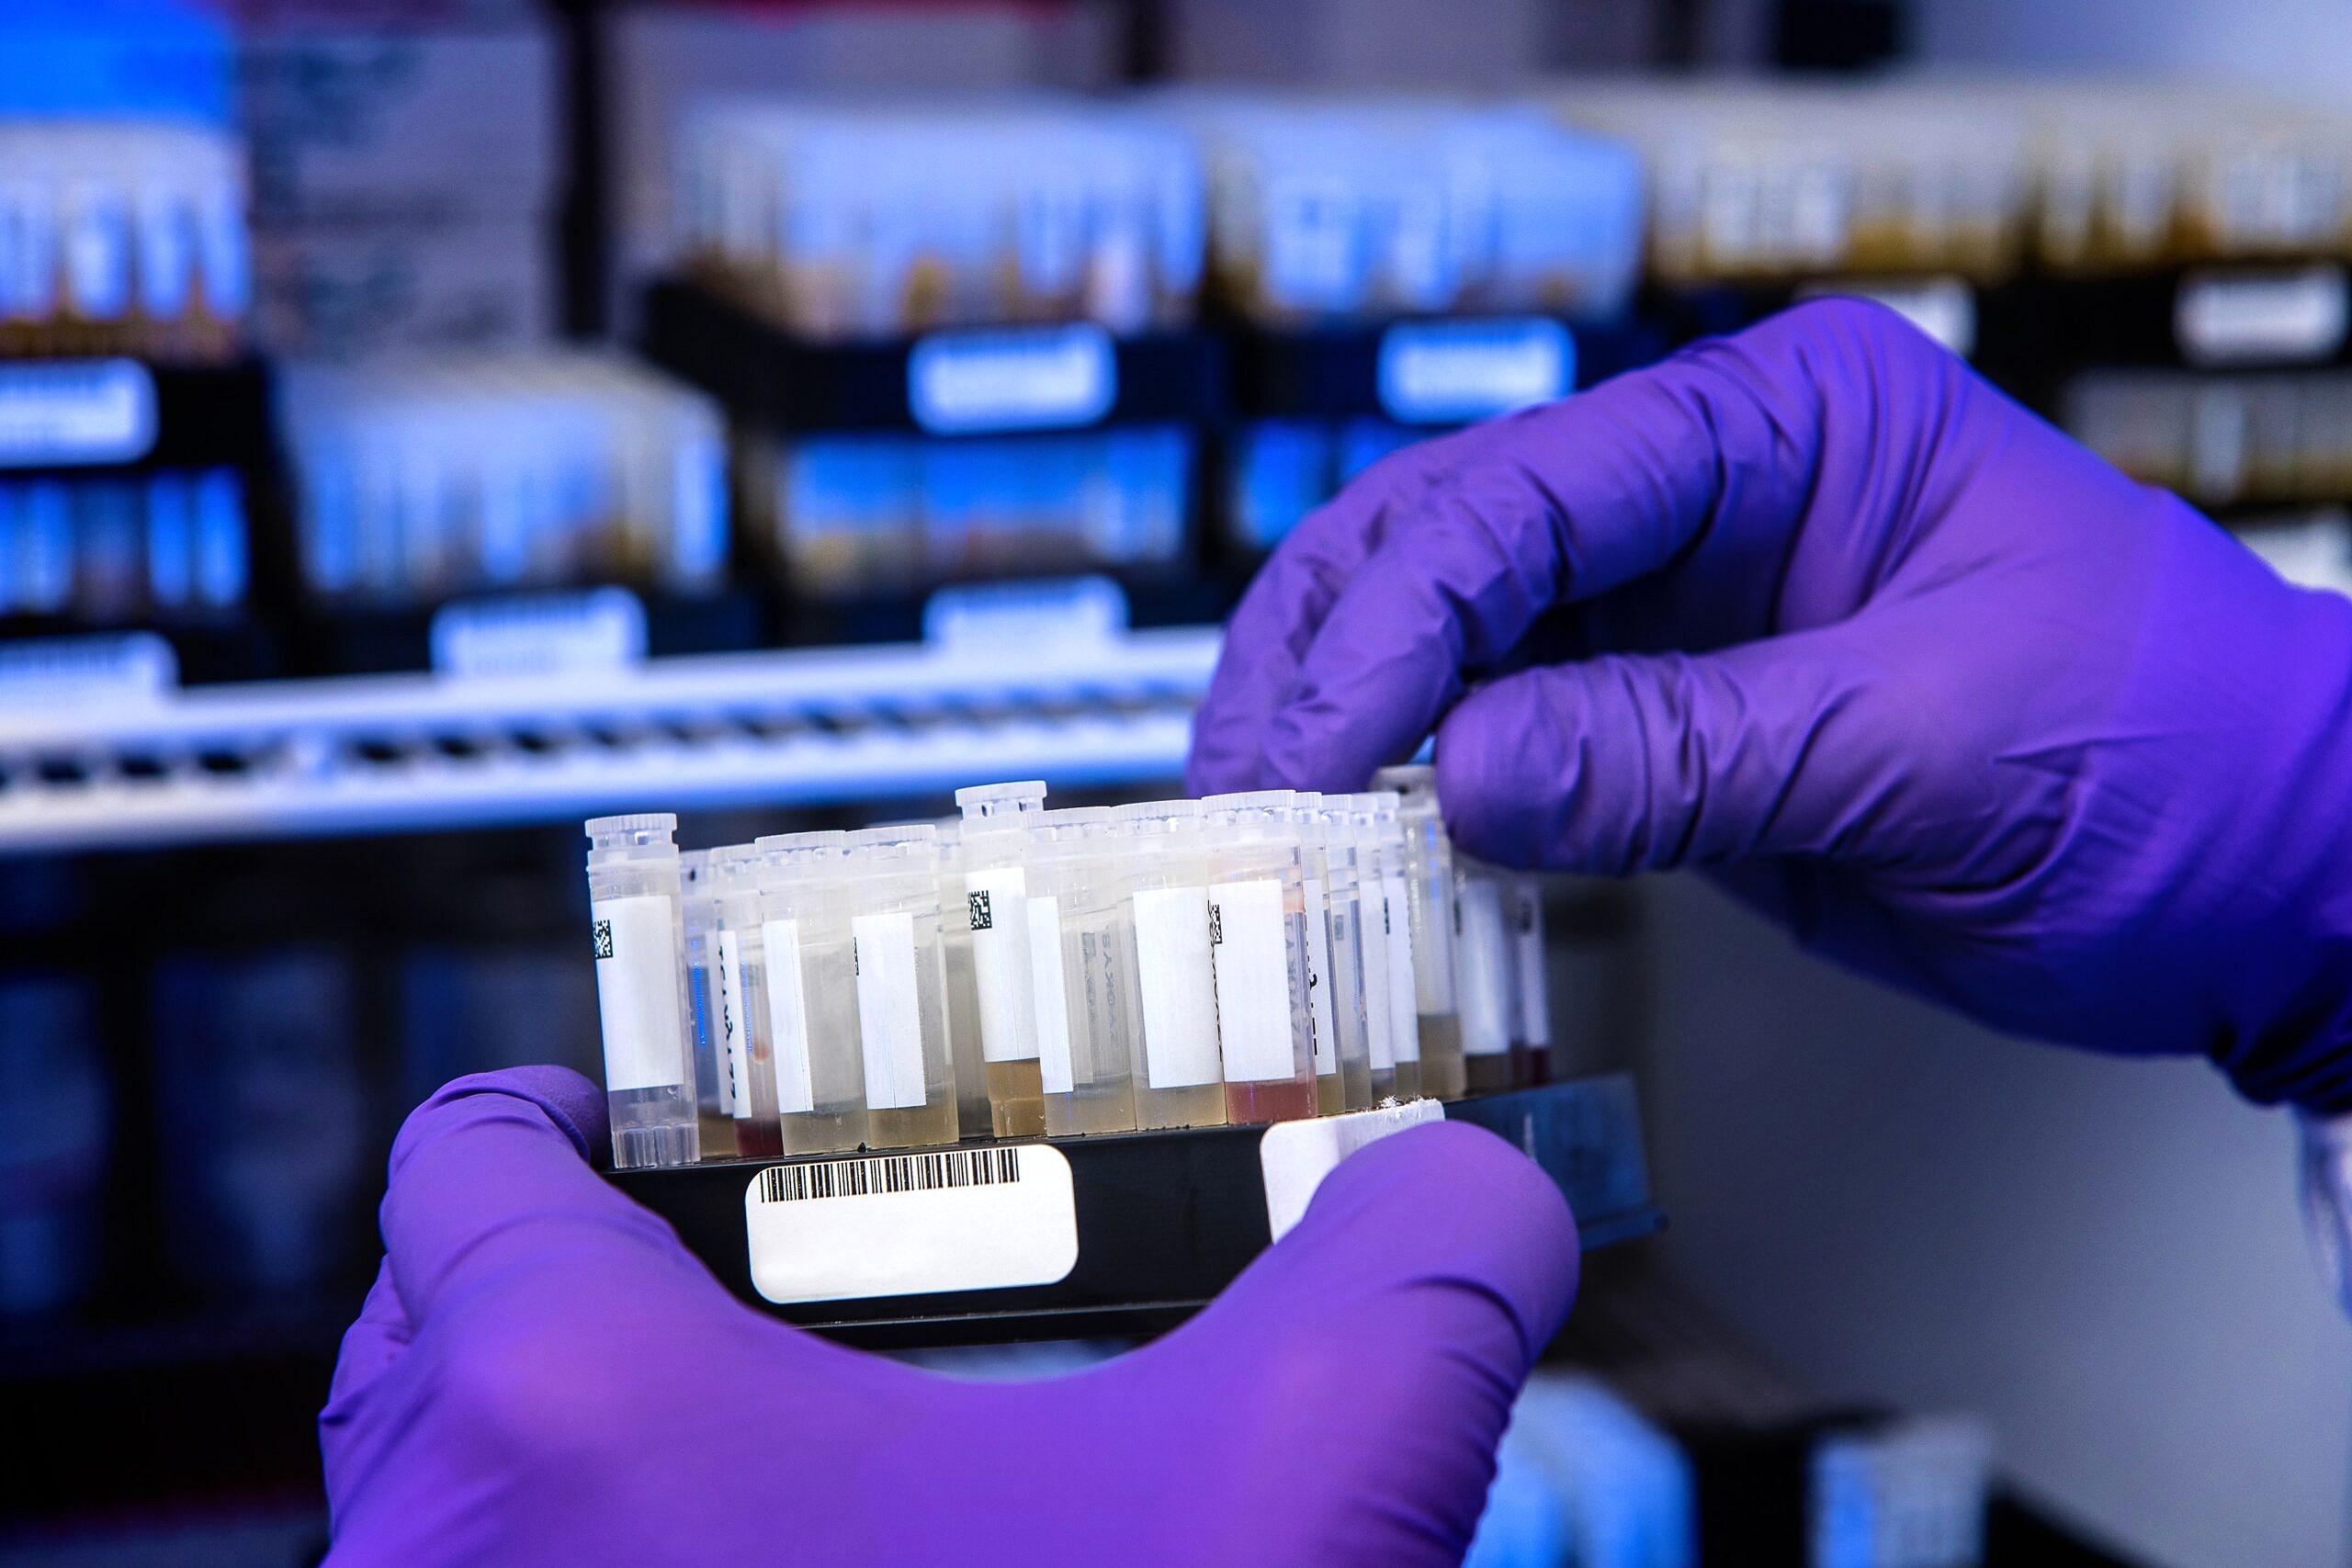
x=1498 y=765
x=572 y=1106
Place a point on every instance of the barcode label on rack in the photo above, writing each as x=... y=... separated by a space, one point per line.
x=75 y=411
x=889 y=1173
x=920 y=1223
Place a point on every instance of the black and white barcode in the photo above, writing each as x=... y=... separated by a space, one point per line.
x=889 y=1173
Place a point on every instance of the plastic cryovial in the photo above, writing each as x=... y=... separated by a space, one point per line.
x=1360 y=819
x=1325 y=825
x=998 y=822
x=1080 y=935
x=1530 y=1015
x=713 y=1089
x=1330 y=1094
x=741 y=1019
x=1179 y=1076
x=973 y=1117
x=901 y=982
x=1387 y=836
x=811 y=982
x=1258 y=948
x=1484 y=985
x=634 y=908
x=1429 y=865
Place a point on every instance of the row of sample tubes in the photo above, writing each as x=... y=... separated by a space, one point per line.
x=2279 y=436
x=122 y=237
x=1022 y=971
x=841 y=222
x=109 y=550
x=483 y=472
x=1976 y=175
x=868 y=513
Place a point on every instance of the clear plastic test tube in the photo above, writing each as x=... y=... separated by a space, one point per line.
x=1179 y=1077
x=1382 y=839
x=1484 y=985
x=714 y=1090
x=1079 y=934
x=900 y=980
x=1331 y=1090
x=812 y=992
x=640 y=933
x=998 y=823
x=1257 y=950
x=1531 y=1014
x=1429 y=865
x=741 y=1021
x=1327 y=824
x=973 y=1117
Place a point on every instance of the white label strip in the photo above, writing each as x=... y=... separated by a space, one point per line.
x=1052 y=999
x=1452 y=372
x=734 y=1024
x=796 y=1088
x=1483 y=958
x=1252 y=981
x=1318 y=980
x=969 y=383
x=2260 y=318
x=1404 y=1011
x=889 y=1011
x=911 y=1225
x=1296 y=1155
x=96 y=410
x=637 y=991
x=1001 y=965
x=1177 y=987
x=1531 y=1009
x=1372 y=933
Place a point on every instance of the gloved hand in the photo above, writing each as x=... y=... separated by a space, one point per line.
x=543 y=1375
x=1817 y=608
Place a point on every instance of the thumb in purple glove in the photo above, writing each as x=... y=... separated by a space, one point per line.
x=1816 y=608
x=542 y=1374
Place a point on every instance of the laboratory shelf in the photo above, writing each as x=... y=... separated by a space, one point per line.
x=81 y=415
x=956 y=381
x=1162 y=1220
x=1433 y=371
x=108 y=769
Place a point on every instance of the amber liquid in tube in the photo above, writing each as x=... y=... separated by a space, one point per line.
x=1016 y=1092
x=1490 y=1075
x=1287 y=1100
x=1440 y=1064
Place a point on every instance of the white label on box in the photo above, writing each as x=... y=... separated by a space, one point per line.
x=971 y=383
x=637 y=991
x=982 y=1219
x=796 y=1085
x=734 y=1025
x=2261 y=318
x=1296 y=1155
x=1452 y=372
x=94 y=411
x=1318 y=980
x=1404 y=1010
x=1053 y=999
x=1001 y=964
x=1252 y=981
x=889 y=1011
x=600 y=630
x=1177 y=987
x=1942 y=307
x=1484 y=962
x=1372 y=933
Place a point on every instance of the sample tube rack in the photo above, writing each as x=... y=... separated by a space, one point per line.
x=1109 y=1235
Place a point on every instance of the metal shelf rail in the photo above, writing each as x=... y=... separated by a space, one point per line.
x=370 y=754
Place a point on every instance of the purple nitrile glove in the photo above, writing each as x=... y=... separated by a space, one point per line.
x=543 y=1375
x=1816 y=607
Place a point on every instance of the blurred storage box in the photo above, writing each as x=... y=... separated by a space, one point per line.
x=354 y=291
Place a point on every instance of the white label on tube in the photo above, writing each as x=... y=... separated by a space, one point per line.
x=637 y=991
x=889 y=1011
x=1053 y=1001
x=1001 y=965
x=796 y=1086
x=1177 y=987
x=1318 y=980
x=1484 y=981
x=1532 y=1022
x=1372 y=932
x=1252 y=981
x=906 y=1224
x=734 y=1028
x=1296 y=1155
x=1404 y=1013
